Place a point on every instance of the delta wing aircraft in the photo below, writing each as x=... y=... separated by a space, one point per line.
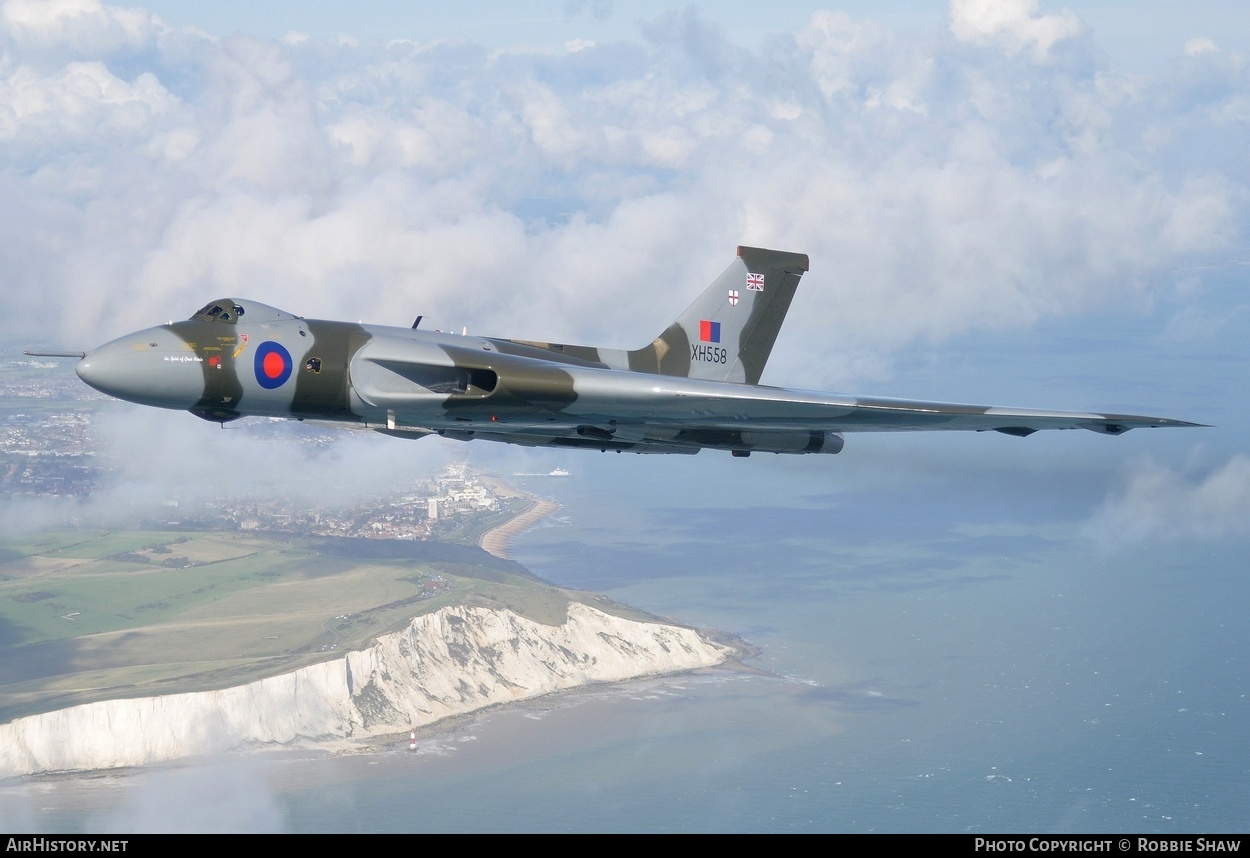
x=695 y=386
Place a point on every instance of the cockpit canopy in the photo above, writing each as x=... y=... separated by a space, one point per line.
x=231 y=311
x=220 y=311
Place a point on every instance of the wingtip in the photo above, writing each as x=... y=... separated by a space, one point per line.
x=1118 y=424
x=1169 y=423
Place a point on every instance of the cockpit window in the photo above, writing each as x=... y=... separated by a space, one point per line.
x=220 y=311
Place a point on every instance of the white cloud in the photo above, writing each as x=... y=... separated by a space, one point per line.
x=838 y=47
x=1013 y=25
x=429 y=137
x=82 y=99
x=153 y=461
x=391 y=248
x=150 y=451
x=1157 y=502
x=232 y=794
x=263 y=121
x=936 y=190
x=550 y=126
x=84 y=26
x=1199 y=216
x=1200 y=45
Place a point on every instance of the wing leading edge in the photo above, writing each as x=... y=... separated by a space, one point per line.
x=613 y=409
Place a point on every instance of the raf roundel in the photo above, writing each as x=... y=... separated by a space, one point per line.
x=273 y=365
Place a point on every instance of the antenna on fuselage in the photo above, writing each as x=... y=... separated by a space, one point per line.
x=417 y=322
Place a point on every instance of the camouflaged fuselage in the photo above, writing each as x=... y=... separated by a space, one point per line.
x=694 y=386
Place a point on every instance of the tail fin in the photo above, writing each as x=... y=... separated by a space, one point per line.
x=728 y=333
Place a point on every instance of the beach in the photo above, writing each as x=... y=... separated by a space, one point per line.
x=497 y=540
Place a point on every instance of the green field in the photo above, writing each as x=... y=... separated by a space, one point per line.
x=95 y=615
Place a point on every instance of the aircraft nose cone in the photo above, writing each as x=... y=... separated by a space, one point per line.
x=151 y=368
x=104 y=369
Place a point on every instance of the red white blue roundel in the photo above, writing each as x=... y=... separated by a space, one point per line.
x=273 y=365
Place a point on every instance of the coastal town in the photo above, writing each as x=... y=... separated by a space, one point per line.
x=44 y=430
x=48 y=449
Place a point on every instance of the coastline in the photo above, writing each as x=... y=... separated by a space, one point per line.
x=415 y=678
x=497 y=540
x=455 y=661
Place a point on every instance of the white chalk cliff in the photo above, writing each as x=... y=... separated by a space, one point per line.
x=449 y=662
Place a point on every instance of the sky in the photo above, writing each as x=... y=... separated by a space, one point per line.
x=1014 y=203
x=983 y=172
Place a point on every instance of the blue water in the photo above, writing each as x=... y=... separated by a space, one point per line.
x=943 y=653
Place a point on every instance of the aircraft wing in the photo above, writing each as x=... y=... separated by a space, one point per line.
x=566 y=405
x=714 y=405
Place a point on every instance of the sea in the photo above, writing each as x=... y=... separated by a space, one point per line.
x=945 y=642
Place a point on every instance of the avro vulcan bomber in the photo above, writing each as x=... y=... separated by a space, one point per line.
x=694 y=387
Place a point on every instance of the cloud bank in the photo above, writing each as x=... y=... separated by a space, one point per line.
x=1160 y=503
x=983 y=177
